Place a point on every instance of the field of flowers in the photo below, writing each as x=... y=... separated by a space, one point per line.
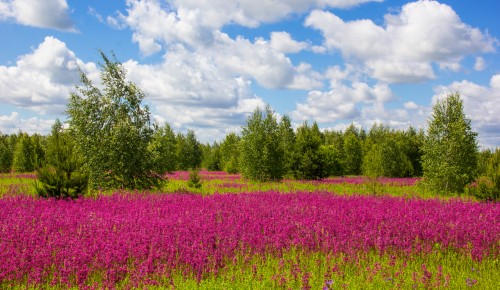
x=233 y=234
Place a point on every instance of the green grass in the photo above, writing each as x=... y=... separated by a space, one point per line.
x=13 y=184
x=240 y=185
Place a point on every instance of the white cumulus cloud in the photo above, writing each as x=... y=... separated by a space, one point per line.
x=13 y=123
x=341 y=102
x=188 y=91
x=282 y=41
x=41 y=80
x=404 y=49
x=189 y=25
x=44 y=14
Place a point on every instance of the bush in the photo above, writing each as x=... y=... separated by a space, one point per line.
x=194 y=180
x=484 y=189
x=62 y=174
x=487 y=187
x=61 y=182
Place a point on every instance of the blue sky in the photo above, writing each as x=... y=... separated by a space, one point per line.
x=205 y=65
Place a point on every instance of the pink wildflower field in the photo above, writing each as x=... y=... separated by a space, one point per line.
x=261 y=239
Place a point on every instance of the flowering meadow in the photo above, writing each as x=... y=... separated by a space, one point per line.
x=235 y=238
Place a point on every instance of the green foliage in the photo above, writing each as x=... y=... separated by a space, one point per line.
x=412 y=146
x=332 y=160
x=385 y=154
x=212 y=158
x=483 y=158
x=287 y=142
x=62 y=174
x=162 y=148
x=450 y=150
x=6 y=153
x=308 y=161
x=353 y=151
x=373 y=161
x=483 y=188
x=24 y=155
x=194 y=179
x=261 y=156
x=189 y=152
x=113 y=130
x=39 y=144
x=230 y=154
x=487 y=187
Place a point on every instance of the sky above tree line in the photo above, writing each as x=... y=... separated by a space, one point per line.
x=206 y=65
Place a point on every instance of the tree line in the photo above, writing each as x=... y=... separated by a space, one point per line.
x=109 y=141
x=268 y=149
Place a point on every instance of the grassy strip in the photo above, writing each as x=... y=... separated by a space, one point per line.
x=14 y=184
x=19 y=184
x=210 y=187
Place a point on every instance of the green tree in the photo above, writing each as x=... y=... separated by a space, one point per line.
x=6 y=153
x=113 y=130
x=385 y=153
x=212 y=158
x=450 y=150
x=353 y=151
x=162 y=148
x=413 y=142
x=287 y=141
x=309 y=163
x=39 y=147
x=332 y=159
x=334 y=150
x=387 y=158
x=61 y=174
x=483 y=160
x=189 y=152
x=261 y=156
x=24 y=155
x=230 y=154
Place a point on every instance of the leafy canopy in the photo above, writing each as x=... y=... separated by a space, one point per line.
x=261 y=156
x=113 y=130
x=450 y=150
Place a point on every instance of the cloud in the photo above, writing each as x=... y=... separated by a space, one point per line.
x=41 y=80
x=341 y=102
x=13 y=123
x=44 y=14
x=189 y=91
x=283 y=42
x=193 y=22
x=218 y=13
x=404 y=49
x=186 y=89
x=480 y=105
x=157 y=27
x=208 y=123
x=480 y=64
